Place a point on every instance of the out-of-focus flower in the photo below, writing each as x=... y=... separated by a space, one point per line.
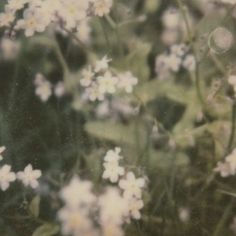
x=43 y=87
x=184 y=214
x=93 y=93
x=2 y=149
x=6 y=177
x=87 y=77
x=29 y=176
x=171 y=18
x=189 y=63
x=75 y=221
x=78 y=193
x=132 y=186
x=10 y=48
x=6 y=18
x=135 y=205
x=59 y=89
x=127 y=81
x=223 y=168
x=113 y=207
x=113 y=155
x=102 y=7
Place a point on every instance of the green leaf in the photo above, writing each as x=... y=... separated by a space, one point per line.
x=34 y=206
x=118 y=133
x=150 y=90
x=46 y=230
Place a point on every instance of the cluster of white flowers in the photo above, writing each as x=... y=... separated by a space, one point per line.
x=44 y=88
x=29 y=177
x=86 y=213
x=177 y=58
x=99 y=81
x=228 y=167
x=39 y=14
x=130 y=185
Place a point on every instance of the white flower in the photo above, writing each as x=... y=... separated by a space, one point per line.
x=189 y=63
x=179 y=49
x=2 y=149
x=15 y=5
x=135 y=205
x=59 y=89
x=132 y=187
x=223 y=168
x=43 y=87
x=6 y=176
x=102 y=64
x=113 y=155
x=93 y=93
x=6 y=18
x=173 y=62
x=44 y=91
x=77 y=193
x=112 y=171
x=87 y=77
x=107 y=83
x=29 y=176
x=83 y=31
x=32 y=22
x=127 y=81
x=75 y=221
x=113 y=207
x=112 y=230
x=102 y=7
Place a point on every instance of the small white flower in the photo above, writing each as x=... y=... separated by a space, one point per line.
x=2 y=149
x=112 y=171
x=15 y=5
x=6 y=176
x=93 y=93
x=32 y=22
x=173 y=62
x=113 y=155
x=29 y=176
x=132 y=187
x=102 y=7
x=87 y=77
x=107 y=83
x=179 y=49
x=102 y=64
x=127 y=81
x=223 y=168
x=135 y=205
x=189 y=63
x=59 y=89
x=77 y=193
